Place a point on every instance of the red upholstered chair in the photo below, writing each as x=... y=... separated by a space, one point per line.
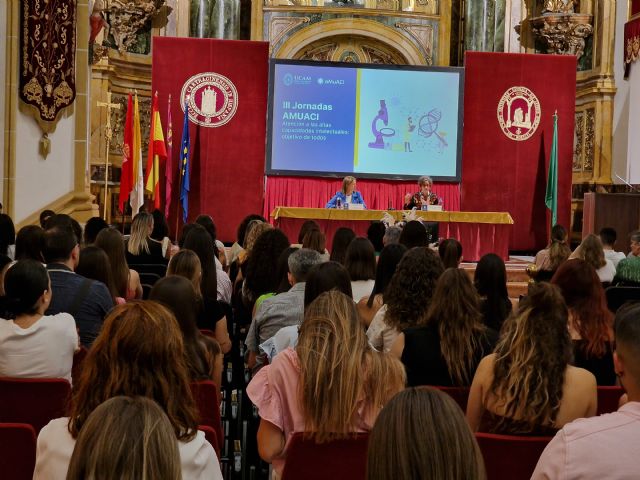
x=205 y=393
x=18 y=452
x=35 y=401
x=208 y=333
x=459 y=394
x=212 y=437
x=337 y=460
x=608 y=399
x=508 y=457
x=78 y=358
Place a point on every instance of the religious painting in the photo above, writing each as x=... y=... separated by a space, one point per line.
x=47 y=58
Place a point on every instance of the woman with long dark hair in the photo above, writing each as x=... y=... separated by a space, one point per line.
x=30 y=243
x=446 y=347
x=490 y=280
x=528 y=387
x=590 y=321
x=95 y=264
x=126 y=280
x=361 y=265
x=341 y=240
x=7 y=236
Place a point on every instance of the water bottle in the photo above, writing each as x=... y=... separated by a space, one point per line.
x=338 y=203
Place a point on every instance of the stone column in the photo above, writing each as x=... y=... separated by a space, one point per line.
x=215 y=19
x=484 y=25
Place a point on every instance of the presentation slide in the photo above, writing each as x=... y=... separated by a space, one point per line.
x=370 y=122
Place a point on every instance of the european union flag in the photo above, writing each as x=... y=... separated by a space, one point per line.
x=184 y=165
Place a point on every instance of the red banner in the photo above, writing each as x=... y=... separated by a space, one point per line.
x=224 y=85
x=635 y=7
x=509 y=102
x=631 y=44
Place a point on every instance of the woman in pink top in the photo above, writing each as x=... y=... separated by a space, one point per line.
x=332 y=365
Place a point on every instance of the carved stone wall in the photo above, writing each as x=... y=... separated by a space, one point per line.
x=584 y=141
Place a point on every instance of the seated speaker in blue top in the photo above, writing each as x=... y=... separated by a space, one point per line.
x=348 y=194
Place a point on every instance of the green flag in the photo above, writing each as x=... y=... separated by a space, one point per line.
x=551 y=195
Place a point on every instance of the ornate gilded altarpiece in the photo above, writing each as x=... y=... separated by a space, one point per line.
x=375 y=31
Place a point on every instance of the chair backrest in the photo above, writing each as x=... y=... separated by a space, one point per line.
x=619 y=295
x=212 y=437
x=459 y=394
x=509 y=457
x=35 y=401
x=339 y=459
x=158 y=269
x=608 y=399
x=205 y=394
x=18 y=452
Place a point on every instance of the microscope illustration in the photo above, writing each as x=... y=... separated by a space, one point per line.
x=380 y=133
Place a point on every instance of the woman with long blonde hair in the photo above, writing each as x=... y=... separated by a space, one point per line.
x=331 y=385
x=528 y=387
x=592 y=252
x=141 y=248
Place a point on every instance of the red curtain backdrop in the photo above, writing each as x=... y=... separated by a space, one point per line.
x=315 y=192
x=635 y=7
x=500 y=174
x=227 y=162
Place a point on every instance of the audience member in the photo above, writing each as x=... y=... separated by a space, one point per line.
x=139 y=352
x=126 y=280
x=306 y=227
x=5 y=263
x=591 y=251
x=608 y=238
x=548 y=260
x=254 y=230
x=490 y=280
x=448 y=344
x=87 y=301
x=7 y=236
x=361 y=265
x=450 y=252
x=224 y=287
x=145 y=447
x=238 y=246
x=261 y=272
x=211 y=315
x=330 y=394
x=388 y=260
x=282 y=272
x=92 y=228
x=160 y=233
x=414 y=234
x=590 y=321
x=421 y=433
x=94 y=265
x=606 y=446
x=203 y=354
x=186 y=264
x=392 y=235
x=64 y=221
x=34 y=345
x=528 y=387
x=141 y=248
x=407 y=297
x=628 y=270
x=316 y=240
x=322 y=278
x=375 y=234
x=45 y=215
x=30 y=243
x=341 y=240
x=221 y=255
x=284 y=309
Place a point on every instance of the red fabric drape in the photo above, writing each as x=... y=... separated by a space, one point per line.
x=315 y=192
x=635 y=7
x=500 y=174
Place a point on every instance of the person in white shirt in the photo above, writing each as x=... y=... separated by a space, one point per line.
x=34 y=345
x=608 y=238
x=591 y=251
x=145 y=447
x=606 y=446
x=139 y=352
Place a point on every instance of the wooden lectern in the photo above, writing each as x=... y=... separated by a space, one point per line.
x=620 y=211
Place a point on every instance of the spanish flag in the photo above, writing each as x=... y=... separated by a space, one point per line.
x=157 y=150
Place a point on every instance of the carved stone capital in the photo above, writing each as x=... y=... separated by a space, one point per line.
x=127 y=18
x=560 y=6
x=563 y=34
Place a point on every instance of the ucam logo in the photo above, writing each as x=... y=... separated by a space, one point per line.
x=287 y=79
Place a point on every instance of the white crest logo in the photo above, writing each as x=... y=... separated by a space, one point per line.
x=211 y=98
x=519 y=113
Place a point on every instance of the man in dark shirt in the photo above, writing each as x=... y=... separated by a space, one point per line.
x=88 y=301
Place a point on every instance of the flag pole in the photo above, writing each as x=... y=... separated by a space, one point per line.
x=179 y=189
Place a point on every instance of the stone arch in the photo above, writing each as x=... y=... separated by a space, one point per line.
x=325 y=30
